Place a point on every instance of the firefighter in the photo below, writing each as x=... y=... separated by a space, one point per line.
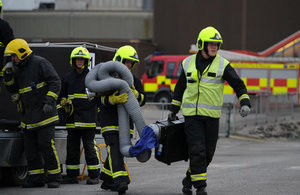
x=113 y=174
x=80 y=115
x=199 y=92
x=36 y=85
x=6 y=35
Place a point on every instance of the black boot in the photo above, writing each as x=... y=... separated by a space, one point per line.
x=108 y=186
x=92 y=181
x=122 y=187
x=53 y=184
x=187 y=186
x=201 y=191
x=70 y=180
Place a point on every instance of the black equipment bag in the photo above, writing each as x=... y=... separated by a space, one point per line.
x=172 y=143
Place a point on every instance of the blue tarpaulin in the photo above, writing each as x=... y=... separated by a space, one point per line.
x=147 y=141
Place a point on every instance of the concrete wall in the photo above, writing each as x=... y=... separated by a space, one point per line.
x=86 y=25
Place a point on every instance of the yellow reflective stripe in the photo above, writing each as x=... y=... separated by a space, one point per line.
x=106 y=171
x=1 y=44
x=77 y=95
x=52 y=94
x=70 y=125
x=119 y=174
x=109 y=128
x=36 y=171
x=113 y=128
x=9 y=83
x=198 y=177
x=1 y=74
x=73 y=166
x=244 y=96
x=93 y=167
x=58 y=106
x=109 y=160
x=142 y=98
x=102 y=100
x=42 y=123
x=23 y=125
x=27 y=89
x=55 y=171
x=97 y=151
x=176 y=103
x=80 y=124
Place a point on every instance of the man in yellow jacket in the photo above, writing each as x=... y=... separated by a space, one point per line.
x=199 y=92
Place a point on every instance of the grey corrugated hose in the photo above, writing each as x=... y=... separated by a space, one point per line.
x=100 y=81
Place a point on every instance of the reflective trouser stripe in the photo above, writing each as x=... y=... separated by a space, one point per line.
x=118 y=173
x=73 y=167
x=54 y=171
x=198 y=177
x=36 y=171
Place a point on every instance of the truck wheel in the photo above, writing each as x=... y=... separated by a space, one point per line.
x=14 y=176
x=163 y=98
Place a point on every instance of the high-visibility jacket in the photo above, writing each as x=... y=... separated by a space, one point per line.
x=204 y=93
x=37 y=83
x=84 y=113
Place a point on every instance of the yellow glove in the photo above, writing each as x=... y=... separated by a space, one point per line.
x=134 y=91
x=67 y=105
x=118 y=99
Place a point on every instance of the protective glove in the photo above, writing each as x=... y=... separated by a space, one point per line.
x=47 y=108
x=118 y=99
x=244 y=111
x=172 y=116
x=67 y=105
x=15 y=97
x=8 y=72
x=134 y=91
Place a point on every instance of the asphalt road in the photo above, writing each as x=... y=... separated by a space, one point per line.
x=239 y=167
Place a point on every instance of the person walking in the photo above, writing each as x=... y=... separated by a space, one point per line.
x=80 y=117
x=113 y=174
x=36 y=86
x=199 y=93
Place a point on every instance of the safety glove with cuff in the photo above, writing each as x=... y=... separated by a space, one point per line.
x=118 y=99
x=49 y=103
x=134 y=91
x=172 y=116
x=245 y=110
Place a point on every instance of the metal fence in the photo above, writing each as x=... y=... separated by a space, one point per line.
x=266 y=109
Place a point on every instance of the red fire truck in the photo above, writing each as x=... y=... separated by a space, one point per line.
x=270 y=71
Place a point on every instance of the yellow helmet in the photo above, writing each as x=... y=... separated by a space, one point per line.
x=19 y=47
x=0 y=6
x=80 y=52
x=126 y=52
x=209 y=34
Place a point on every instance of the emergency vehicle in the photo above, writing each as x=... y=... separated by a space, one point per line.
x=269 y=72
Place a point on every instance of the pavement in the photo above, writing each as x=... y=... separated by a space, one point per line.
x=240 y=166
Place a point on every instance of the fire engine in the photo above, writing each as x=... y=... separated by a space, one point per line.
x=269 y=71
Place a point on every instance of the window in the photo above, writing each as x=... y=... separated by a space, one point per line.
x=154 y=68
x=178 y=73
x=171 y=68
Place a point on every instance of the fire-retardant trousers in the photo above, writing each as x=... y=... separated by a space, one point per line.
x=40 y=147
x=87 y=135
x=113 y=171
x=202 y=135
